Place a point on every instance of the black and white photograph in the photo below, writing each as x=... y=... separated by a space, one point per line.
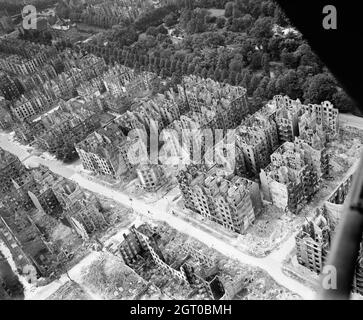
x=200 y=153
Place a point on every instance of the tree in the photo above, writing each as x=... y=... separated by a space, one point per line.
x=280 y=18
x=256 y=60
x=179 y=66
x=185 y=17
x=289 y=59
x=152 y=31
x=262 y=29
x=253 y=84
x=162 y=30
x=154 y=17
x=236 y=64
x=171 y=19
x=217 y=74
x=163 y=73
x=289 y=84
x=239 y=79
x=229 y=9
x=204 y=73
x=307 y=57
x=197 y=69
x=322 y=87
x=191 y=69
x=211 y=73
x=344 y=103
x=185 y=67
x=220 y=22
x=268 y=8
x=241 y=24
x=236 y=12
x=175 y=79
x=274 y=48
x=271 y=88
x=173 y=65
x=246 y=78
x=232 y=78
x=266 y=63
x=224 y=75
x=209 y=19
x=197 y=22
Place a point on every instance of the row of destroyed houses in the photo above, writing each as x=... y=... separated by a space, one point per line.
x=190 y=267
x=35 y=201
x=285 y=142
x=43 y=216
x=314 y=240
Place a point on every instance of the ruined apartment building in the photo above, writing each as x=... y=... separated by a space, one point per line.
x=6 y=120
x=25 y=241
x=62 y=199
x=17 y=230
x=10 y=88
x=228 y=103
x=34 y=127
x=31 y=214
x=151 y=176
x=123 y=81
x=32 y=104
x=293 y=175
x=150 y=114
x=213 y=108
x=200 y=274
x=48 y=90
x=12 y=171
x=105 y=152
x=64 y=126
x=109 y=151
x=24 y=56
x=314 y=240
x=295 y=119
x=233 y=203
x=326 y=116
x=286 y=116
x=256 y=139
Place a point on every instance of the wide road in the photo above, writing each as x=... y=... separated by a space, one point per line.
x=272 y=264
x=351 y=120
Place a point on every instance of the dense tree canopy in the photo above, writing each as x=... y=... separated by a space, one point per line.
x=242 y=42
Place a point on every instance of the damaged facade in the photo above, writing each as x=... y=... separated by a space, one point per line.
x=233 y=203
x=256 y=139
x=44 y=217
x=314 y=240
x=211 y=108
x=226 y=104
x=292 y=177
x=197 y=272
x=302 y=161
x=104 y=152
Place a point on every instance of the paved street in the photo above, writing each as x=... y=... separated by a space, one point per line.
x=350 y=120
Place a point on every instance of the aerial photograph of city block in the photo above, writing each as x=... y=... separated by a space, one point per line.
x=168 y=150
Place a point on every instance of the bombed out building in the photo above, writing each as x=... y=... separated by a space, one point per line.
x=232 y=202
x=314 y=240
x=44 y=217
x=292 y=177
x=198 y=272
